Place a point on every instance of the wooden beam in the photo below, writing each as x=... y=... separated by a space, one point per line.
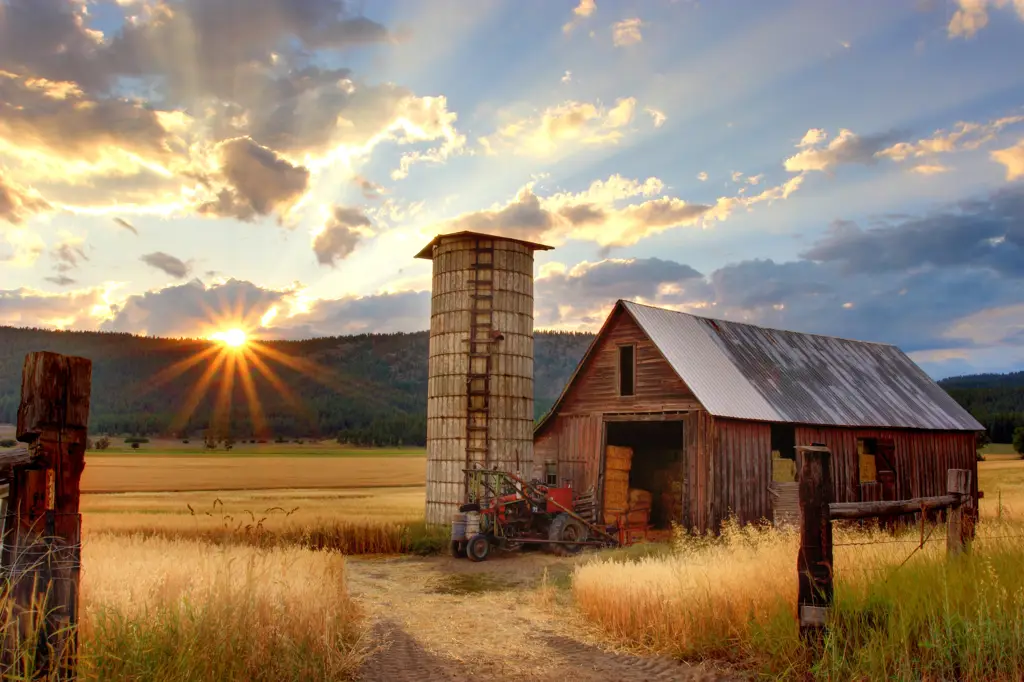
x=866 y=510
x=15 y=457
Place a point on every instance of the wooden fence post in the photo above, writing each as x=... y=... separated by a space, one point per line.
x=814 y=562
x=43 y=529
x=958 y=482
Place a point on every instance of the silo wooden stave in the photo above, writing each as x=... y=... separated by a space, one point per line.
x=480 y=366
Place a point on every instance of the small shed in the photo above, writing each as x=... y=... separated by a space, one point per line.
x=713 y=411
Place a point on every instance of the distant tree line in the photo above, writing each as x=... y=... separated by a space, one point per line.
x=368 y=389
x=995 y=400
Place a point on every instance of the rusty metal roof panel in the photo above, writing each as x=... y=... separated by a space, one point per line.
x=744 y=371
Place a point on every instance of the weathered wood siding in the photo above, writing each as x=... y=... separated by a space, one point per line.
x=574 y=442
x=697 y=430
x=922 y=459
x=596 y=389
x=741 y=471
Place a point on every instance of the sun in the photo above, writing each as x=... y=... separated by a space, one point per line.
x=235 y=338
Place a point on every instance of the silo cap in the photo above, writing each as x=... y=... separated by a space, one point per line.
x=428 y=250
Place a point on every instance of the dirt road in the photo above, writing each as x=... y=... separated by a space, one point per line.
x=454 y=620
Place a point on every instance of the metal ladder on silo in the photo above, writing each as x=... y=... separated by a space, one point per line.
x=481 y=336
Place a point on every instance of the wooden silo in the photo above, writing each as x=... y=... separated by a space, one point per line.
x=480 y=366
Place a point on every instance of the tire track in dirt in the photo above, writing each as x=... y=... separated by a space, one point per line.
x=497 y=628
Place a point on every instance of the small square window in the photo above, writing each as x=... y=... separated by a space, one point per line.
x=551 y=473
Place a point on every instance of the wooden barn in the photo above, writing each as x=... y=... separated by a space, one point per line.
x=713 y=411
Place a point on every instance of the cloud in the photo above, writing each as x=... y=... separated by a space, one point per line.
x=371 y=190
x=965 y=136
x=194 y=309
x=129 y=120
x=658 y=117
x=579 y=13
x=1013 y=159
x=982 y=233
x=166 y=263
x=846 y=148
x=126 y=225
x=18 y=204
x=972 y=15
x=702 y=176
x=567 y=76
x=558 y=126
x=76 y=309
x=627 y=32
x=379 y=313
x=259 y=181
x=67 y=255
x=340 y=235
x=930 y=169
x=598 y=215
x=25 y=248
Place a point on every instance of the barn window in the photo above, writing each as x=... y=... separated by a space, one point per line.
x=867 y=449
x=551 y=473
x=627 y=370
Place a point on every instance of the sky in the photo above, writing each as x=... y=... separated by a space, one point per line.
x=182 y=167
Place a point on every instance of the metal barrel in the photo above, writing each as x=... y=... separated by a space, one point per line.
x=458 y=526
x=472 y=524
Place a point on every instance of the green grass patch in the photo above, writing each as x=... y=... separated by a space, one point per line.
x=470 y=583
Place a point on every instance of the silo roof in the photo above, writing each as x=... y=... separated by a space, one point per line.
x=428 y=250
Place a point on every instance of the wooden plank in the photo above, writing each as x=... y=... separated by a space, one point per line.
x=864 y=510
x=958 y=484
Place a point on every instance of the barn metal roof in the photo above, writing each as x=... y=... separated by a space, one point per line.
x=747 y=372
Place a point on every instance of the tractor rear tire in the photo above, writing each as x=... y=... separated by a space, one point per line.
x=564 y=527
x=478 y=547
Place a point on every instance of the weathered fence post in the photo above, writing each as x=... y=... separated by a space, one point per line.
x=814 y=562
x=42 y=534
x=958 y=482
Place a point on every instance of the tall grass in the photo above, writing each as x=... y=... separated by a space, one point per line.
x=155 y=609
x=734 y=599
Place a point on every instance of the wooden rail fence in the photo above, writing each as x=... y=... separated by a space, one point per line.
x=817 y=511
x=40 y=559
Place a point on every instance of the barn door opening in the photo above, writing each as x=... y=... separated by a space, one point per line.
x=655 y=467
x=876 y=459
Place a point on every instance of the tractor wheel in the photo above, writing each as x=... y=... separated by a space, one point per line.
x=478 y=547
x=459 y=549
x=564 y=527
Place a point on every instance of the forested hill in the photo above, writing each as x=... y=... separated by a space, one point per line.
x=370 y=388
x=996 y=400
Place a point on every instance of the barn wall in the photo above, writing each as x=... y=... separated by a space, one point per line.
x=574 y=442
x=922 y=459
x=741 y=470
x=658 y=387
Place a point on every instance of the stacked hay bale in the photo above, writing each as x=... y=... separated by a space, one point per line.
x=617 y=462
x=639 y=513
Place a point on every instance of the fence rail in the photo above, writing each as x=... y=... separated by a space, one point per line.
x=817 y=511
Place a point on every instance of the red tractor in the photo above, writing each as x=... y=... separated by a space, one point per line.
x=506 y=512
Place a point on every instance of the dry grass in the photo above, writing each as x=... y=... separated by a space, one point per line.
x=177 y=610
x=162 y=474
x=734 y=598
x=366 y=521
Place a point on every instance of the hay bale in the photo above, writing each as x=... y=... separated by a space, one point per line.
x=640 y=499
x=612 y=515
x=618 y=458
x=638 y=517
